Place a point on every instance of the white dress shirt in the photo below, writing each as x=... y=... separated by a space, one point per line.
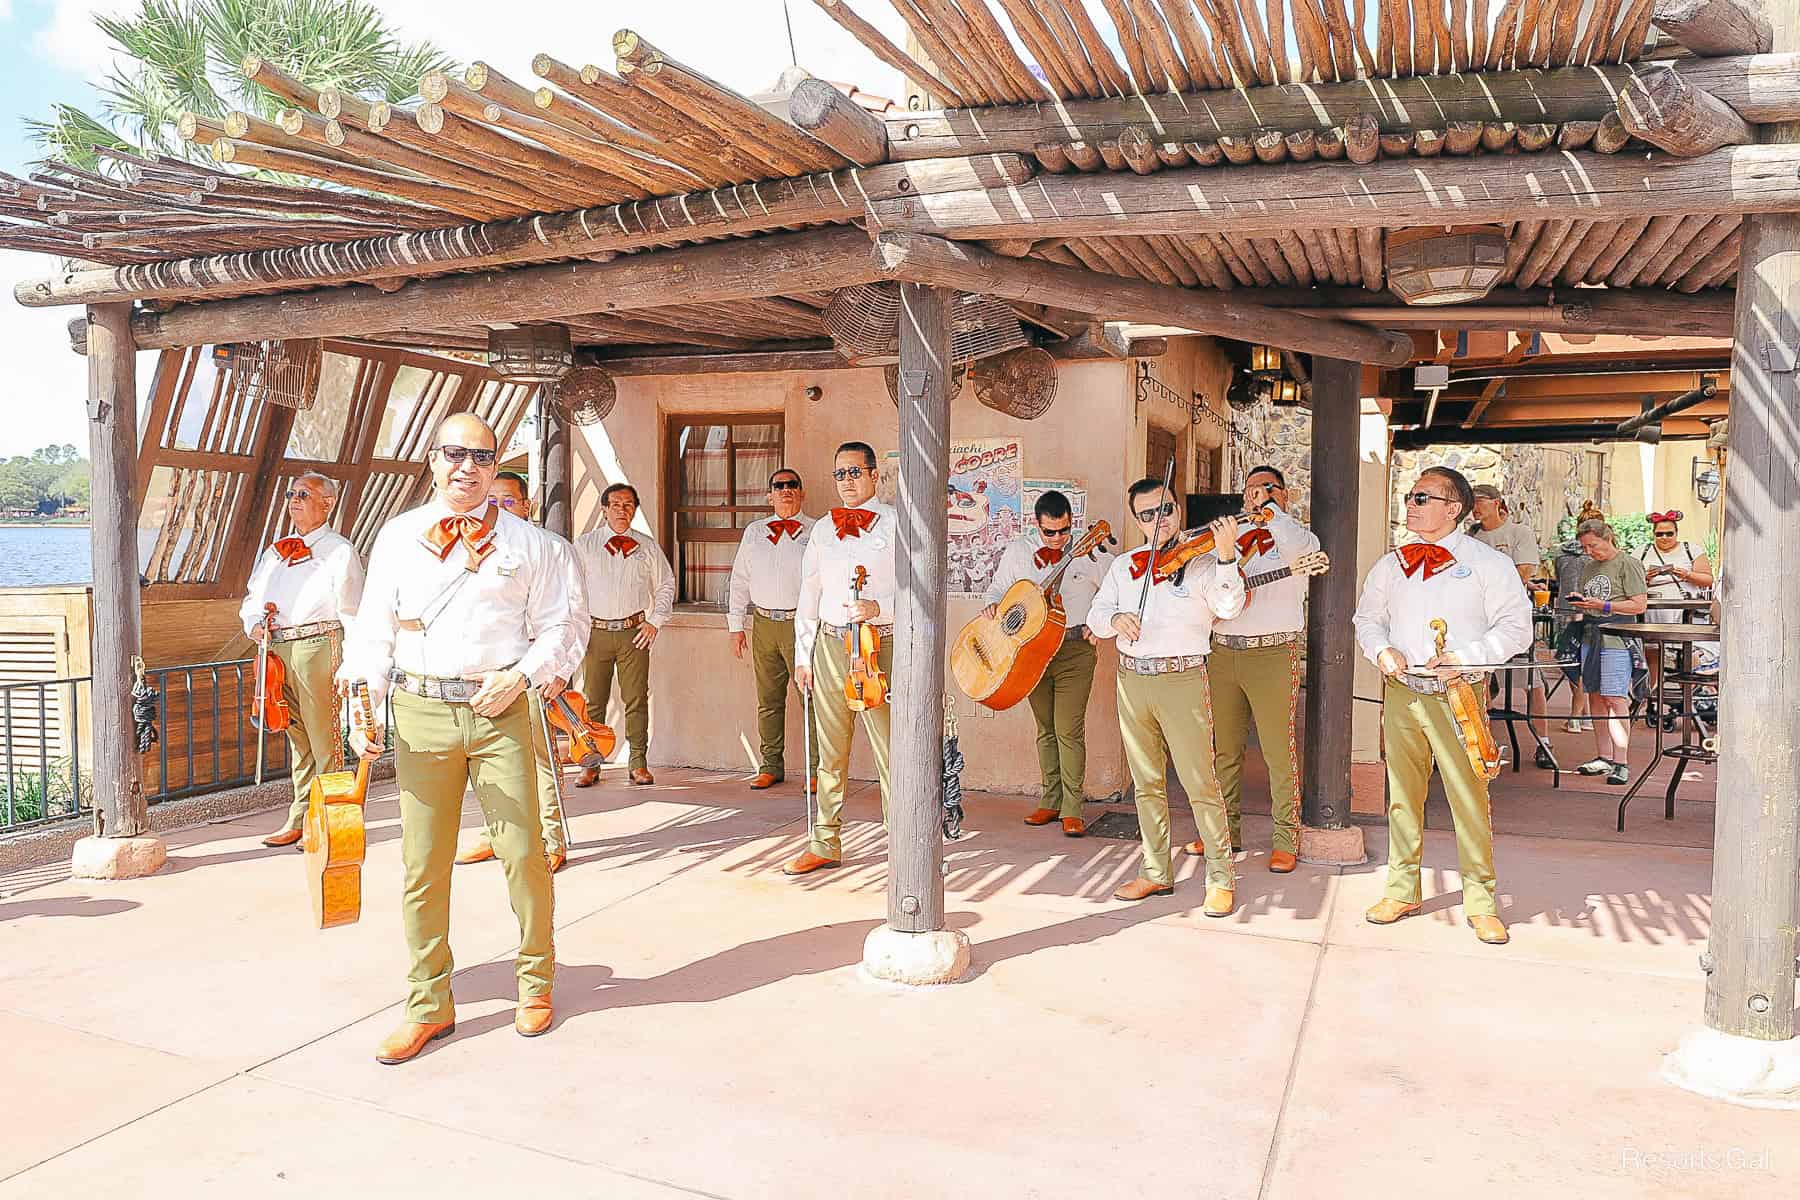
x=564 y=551
x=766 y=571
x=1079 y=583
x=326 y=587
x=828 y=567
x=516 y=610
x=1179 y=616
x=1278 y=607
x=619 y=585
x=1478 y=597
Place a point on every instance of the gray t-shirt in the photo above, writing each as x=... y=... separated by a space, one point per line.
x=1618 y=578
x=1513 y=540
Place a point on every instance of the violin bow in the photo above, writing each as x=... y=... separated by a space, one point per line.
x=1150 y=571
x=562 y=810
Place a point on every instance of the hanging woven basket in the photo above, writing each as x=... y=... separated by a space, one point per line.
x=584 y=396
x=284 y=373
x=864 y=324
x=531 y=353
x=1019 y=383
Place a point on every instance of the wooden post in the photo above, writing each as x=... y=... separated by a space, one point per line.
x=120 y=816
x=1330 y=650
x=1747 y=1050
x=916 y=757
x=913 y=946
x=558 y=494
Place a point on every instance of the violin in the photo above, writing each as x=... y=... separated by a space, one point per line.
x=269 y=710
x=1472 y=728
x=1190 y=544
x=865 y=687
x=590 y=742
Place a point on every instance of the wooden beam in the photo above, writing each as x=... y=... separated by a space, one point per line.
x=1271 y=200
x=763 y=362
x=779 y=264
x=1453 y=435
x=1665 y=110
x=118 y=794
x=1713 y=28
x=750 y=208
x=1761 y=87
x=1649 y=312
x=916 y=259
x=819 y=109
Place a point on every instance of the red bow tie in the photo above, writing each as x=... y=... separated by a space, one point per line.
x=293 y=551
x=1047 y=557
x=1255 y=541
x=620 y=544
x=1140 y=562
x=777 y=528
x=475 y=533
x=1434 y=558
x=851 y=522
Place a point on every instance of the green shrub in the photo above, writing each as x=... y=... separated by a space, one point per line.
x=32 y=797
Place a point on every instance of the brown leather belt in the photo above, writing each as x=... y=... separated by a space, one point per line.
x=1161 y=666
x=1074 y=633
x=299 y=633
x=622 y=623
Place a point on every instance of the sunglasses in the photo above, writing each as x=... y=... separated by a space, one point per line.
x=509 y=502
x=454 y=455
x=1421 y=499
x=1665 y=533
x=1147 y=515
x=1065 y=531
x=843 y=473
x=299 y=494
x=785 y=485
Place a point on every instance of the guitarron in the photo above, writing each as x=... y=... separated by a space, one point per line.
x=998 y=660
x=334 y=840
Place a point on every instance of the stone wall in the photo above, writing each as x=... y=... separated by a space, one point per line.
x=1518 y=471
x=1279 y=436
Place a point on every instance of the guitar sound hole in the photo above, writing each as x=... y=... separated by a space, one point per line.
x=1013 y=620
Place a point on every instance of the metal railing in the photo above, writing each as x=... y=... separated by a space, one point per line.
x=223 y=753
x=41 y=741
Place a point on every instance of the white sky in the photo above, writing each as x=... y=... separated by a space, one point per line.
x=742 y=43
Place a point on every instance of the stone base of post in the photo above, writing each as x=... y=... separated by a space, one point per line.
x=118 y=858
x=1742 y=1070
x=919 y=959
x=1332 y=847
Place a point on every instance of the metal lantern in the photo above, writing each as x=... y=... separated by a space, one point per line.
x=954 y=386
x=1445 y=266
x=584 y=396
x=284 y=373
x=530 y=353
x=1265 y=361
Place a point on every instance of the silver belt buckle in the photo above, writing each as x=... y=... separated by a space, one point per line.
x=431 y=687
x=619 y=624
x=773 y=614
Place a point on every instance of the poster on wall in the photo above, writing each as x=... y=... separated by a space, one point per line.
x=1076 y=493
x=987 y=506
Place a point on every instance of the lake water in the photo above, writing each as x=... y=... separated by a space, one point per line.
x=34 y=555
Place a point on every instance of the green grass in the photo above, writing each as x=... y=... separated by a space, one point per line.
x=31 y=796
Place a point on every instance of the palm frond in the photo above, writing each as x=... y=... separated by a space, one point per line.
x=73 y=136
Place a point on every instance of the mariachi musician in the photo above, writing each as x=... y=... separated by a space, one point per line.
x=1059 y=701
x=1473 y=591
x=1165 y=705
x=315 y=581
x=861 y=533
x=508 y=494
x=466 y=607
x=630 y=596
x=1255 y=669
x=764 y=595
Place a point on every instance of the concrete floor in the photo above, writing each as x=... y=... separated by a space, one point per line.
x=190 y=1035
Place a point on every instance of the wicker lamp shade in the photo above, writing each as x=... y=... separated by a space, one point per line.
x=284 y=373
x=1445 y=266
x=1020 y=383
x=530 y=353
x=584 y=396
x=864 y=323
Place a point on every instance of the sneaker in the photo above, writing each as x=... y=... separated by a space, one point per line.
x=1595 y=766
x=1619 y=775
x=1545 y=761
x=1572 y=725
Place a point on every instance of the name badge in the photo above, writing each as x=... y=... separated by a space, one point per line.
x=1460 y=572
x=506 y=563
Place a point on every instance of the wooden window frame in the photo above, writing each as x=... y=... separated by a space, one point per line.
x=674 y=483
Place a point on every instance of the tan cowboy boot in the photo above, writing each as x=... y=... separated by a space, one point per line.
x=1142 y=889
x=533 y=1015
x=1219 y=902
x=1490 y=930
x=1386 y=911
x=407 y=1041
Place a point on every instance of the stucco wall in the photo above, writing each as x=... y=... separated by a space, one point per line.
x=702 y=699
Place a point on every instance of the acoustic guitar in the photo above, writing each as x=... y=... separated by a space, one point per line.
x=1316 y=563
x=335 y=840
x=998 y=660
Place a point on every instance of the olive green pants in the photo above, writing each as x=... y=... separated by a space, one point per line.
x=1261 y=684
x=832 y=725
x=1416 y=731
x=772 y=660
x=1059 y=706
x=439 y=750
x=315 y=733
x=549 y=795
x=610 y=652
x=1170 y=716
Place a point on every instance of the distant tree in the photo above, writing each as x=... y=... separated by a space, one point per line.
x=184 y=56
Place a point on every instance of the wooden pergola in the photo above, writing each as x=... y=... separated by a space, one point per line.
x=1182 y=170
